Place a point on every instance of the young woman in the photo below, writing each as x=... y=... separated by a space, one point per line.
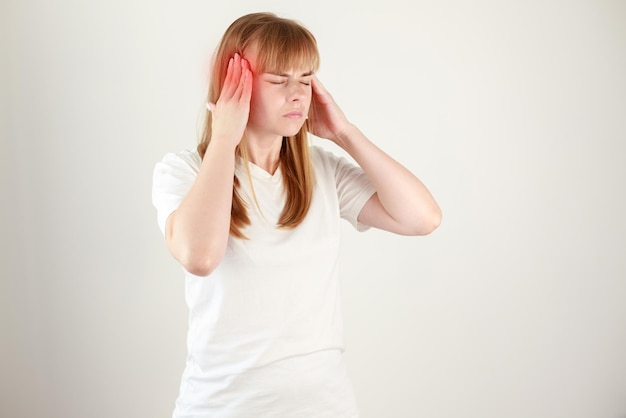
x=253 y=216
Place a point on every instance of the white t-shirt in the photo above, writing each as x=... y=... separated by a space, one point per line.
x=265 y=327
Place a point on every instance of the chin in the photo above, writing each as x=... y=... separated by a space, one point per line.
x=292 y=131
x=289 y=134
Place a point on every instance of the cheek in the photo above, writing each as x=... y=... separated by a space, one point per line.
x=256 y=103
x=254 y=98
x=260 y=104
x=307 y=100
x=260 y=96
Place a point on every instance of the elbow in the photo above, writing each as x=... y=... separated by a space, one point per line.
x=200 y=264
x=426 y=224
x=199 y=268
x=196 y=253
x=434 y=223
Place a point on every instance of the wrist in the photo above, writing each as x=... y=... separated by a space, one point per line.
x=225 y=141
x=223 y=146
x=348 y=136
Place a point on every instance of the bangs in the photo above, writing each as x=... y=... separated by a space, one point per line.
x=285 y=46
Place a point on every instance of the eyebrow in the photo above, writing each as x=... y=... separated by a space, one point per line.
x=307 y=74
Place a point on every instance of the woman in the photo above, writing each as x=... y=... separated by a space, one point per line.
x=253 y=216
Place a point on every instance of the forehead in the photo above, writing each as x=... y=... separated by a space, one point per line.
x=273 y=61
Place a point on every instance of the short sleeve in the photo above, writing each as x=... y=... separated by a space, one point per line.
x=172 y=178
x=353 y=186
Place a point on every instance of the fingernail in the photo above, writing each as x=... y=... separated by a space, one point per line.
x=208 y=106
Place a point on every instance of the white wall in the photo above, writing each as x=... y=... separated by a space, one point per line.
x=512 y=112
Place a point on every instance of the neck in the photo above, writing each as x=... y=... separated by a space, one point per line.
x=265 y=152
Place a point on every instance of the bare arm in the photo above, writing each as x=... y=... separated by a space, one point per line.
x=197 y=231
x=401 y=204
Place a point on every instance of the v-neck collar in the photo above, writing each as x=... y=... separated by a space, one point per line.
x=258 y=172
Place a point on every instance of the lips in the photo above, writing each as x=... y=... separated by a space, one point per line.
x=295 y=114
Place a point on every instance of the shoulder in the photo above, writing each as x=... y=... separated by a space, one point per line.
x=186 y=159
x=172 y=179
x=322 y=158
x=176 y=170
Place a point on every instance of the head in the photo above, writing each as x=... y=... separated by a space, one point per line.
x=274 y=46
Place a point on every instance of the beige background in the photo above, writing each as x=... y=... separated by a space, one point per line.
x=512 y=112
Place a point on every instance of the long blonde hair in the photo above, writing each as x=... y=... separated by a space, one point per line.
x=282 y=44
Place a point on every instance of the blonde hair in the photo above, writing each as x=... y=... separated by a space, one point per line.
x=282 y=44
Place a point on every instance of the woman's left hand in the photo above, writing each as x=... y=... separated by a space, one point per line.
x=326 y=120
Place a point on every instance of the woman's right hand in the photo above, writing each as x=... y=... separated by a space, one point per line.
x=230 y=113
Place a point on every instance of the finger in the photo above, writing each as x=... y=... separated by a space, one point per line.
x=319 y=90
x=240 y=80
x=236 y=73
x=246 y=92
x=209 y=106
x=232 y=77
x=228 y=81
x=317 y=84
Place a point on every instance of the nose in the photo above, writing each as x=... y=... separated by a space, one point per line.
x=297 y=91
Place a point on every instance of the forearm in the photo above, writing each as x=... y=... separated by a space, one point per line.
x=197 y=232
x=402 y=195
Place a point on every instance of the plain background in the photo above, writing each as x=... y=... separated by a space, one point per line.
x=512 y=112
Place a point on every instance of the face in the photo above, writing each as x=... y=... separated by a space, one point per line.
x=280 y=102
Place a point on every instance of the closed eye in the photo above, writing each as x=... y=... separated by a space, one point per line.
x=283 y=78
